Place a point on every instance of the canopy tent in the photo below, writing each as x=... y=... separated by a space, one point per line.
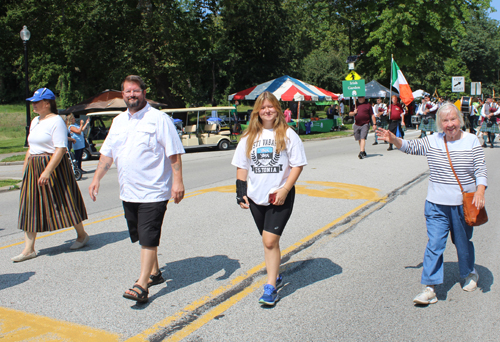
x=373 y=89
x=418 y=93
x=104 y=101
x=286 y=88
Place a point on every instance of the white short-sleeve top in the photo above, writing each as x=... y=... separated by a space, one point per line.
x=268 y=170
x=47 y=134
x=140 y=145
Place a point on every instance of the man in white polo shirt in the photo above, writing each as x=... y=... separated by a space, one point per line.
x=146 y=148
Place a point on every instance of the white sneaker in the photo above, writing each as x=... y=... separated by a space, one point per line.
x=426 y=297
x=470 y=283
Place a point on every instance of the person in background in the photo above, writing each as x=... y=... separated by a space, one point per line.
x=269 y=159
x=288 y=115
x=489 y=125
x=421 y=111
x=380 y=112
x=76 y=132
x=337 y=118
x=362 y=113
x=50 y=198
x=443 y=205
x=428 y=123
x=396 y=118
x=329 y=112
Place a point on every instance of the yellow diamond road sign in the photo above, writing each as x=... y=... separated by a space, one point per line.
x=353 y=75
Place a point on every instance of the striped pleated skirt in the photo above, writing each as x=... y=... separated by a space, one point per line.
x=50 y=207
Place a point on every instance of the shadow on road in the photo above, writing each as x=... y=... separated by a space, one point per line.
x=301 y=274
x=452 y=277
x=96 y=241
x=370 y=155
x=13 y=279
x=183 y=273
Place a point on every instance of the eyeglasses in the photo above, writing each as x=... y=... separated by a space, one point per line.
x=135 y=92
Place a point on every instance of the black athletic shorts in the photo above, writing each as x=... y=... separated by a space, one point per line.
x=144 y=221
x=273 y=218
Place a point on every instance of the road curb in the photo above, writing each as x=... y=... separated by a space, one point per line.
x=10 y=187
x=12 y=163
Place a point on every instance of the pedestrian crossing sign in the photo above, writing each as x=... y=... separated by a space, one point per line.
x=353 y=75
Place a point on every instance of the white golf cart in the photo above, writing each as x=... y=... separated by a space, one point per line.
x=212 y=134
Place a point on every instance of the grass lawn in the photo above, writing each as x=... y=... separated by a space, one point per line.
x=9 y=145
x=9 y=182
x=12 y=128
x=325 y=135
x=14 y=158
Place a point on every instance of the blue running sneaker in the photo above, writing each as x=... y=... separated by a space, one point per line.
x=279 y=281
x=270 y=296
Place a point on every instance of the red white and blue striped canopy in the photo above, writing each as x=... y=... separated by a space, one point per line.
x=286 y=88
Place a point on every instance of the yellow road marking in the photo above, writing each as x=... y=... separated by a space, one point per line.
x=233 y=300
x=313 y=189
x=21 y=326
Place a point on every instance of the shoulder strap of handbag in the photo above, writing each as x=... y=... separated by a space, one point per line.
x=452 y=169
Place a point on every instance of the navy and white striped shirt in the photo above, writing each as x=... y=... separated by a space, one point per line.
x=467 y=157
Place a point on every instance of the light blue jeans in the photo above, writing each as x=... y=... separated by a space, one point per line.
x=440 y=220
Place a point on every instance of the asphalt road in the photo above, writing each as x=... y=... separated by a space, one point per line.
x=352 y=261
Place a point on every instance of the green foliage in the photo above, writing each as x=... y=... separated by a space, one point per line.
x=480 y=51
x=199 y=51
x=253 y=31
x=324 y=69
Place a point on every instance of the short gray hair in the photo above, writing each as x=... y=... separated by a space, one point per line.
x=444 y=109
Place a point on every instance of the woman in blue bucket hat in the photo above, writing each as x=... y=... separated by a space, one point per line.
x=50 y=198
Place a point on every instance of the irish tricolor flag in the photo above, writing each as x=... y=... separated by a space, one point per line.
x=399 y=82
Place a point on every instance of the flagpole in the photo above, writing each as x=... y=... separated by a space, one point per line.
x=390 y=90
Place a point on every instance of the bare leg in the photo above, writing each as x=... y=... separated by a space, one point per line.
x=149 y=259
x=272 y=256
x=82 y=234
x=362 y=143
x=29 y=242
x=156 y=268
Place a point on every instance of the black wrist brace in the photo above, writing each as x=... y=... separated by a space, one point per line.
x=241 y=190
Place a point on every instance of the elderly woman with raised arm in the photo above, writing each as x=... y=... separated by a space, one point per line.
x=443 y=206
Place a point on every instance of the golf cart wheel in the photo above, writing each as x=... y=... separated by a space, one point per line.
x=78 y=174
x=223 y=145
x=86 y=155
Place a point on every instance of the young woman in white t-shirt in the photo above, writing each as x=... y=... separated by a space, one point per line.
x=50 y=198
x=269 y=160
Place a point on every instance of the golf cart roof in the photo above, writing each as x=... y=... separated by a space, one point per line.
x=110 y=113
x=194 y=109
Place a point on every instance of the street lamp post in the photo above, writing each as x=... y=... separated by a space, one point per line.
x=25 y=36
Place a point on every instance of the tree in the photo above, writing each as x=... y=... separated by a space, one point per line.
x=253 y=33
x=480 y=50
